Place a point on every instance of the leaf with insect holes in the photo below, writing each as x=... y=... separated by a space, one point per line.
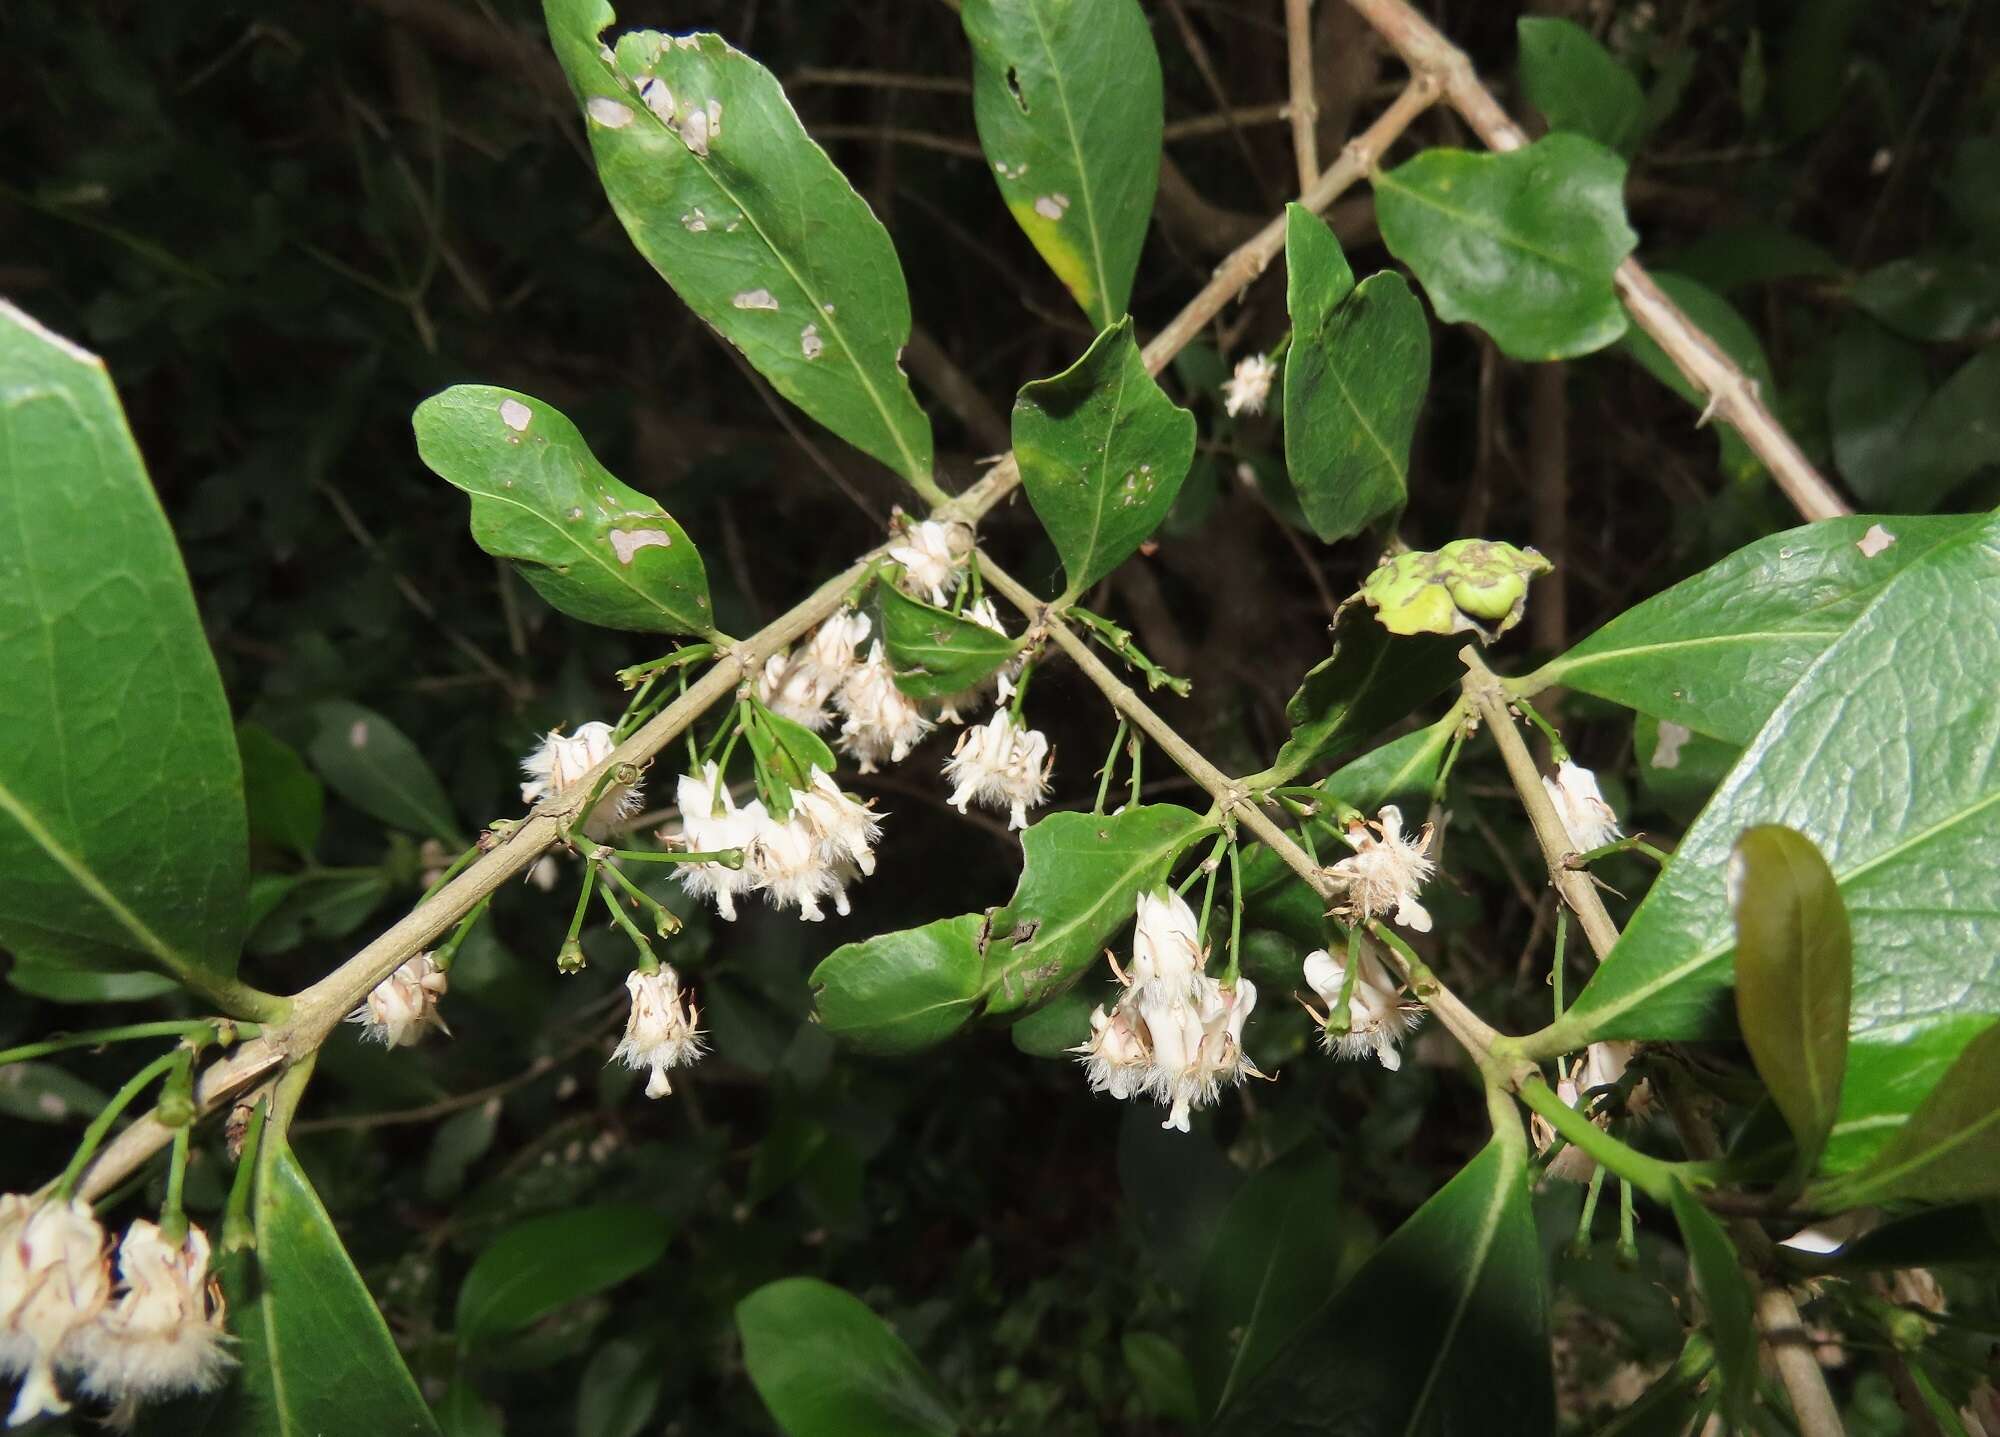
x=595 y=548
x=1067 y=100
x=1102 y=452
x=727 y=196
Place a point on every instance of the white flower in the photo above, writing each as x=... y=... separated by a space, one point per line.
x=798 y=685
x=53 y=1283
x=163 y=1334
x=933 y=557
x=1118 y=1056
x=1246 y=390
x=559 y=762
x=661 y=1031
x=843 y=830
x=404 y=1005
x=1586 y=817
x=1166 y=943
x=1377 y=1017
x=784 y=860
x=1385 y=871
x=1198 y=1045
x=712 y=823
x=883 y=723
x=1000 y=764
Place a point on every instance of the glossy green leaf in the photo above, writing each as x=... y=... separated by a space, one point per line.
x=1080 y=879
x=373 y=765
x=1881 y=755
x=1060 y=1024
x=1678 y=768
x=595 y=548
x=542 y=1264
x=1794 y=977
x=314 y=1354
x=1162 y=1375
x=113 y=712
x=1354 y=381
x=1102 y=452
x=904 y=991
x=620 y=1389
x=936 y=653
x=1717 y=318
x=1522 y=244
x=1933 y=297
x=1716 y=652
x=284 y=799
x=1879 y=382
x=828 y=1367
x=1372 y=679
x=1967 y=1232
x=1725 y=1294
x=1577 y=85
x=1949 y=1149
x=1444 y=1330
x=761 y=235
x=1067 y=100
x=1272 y=1267
x=59 y=983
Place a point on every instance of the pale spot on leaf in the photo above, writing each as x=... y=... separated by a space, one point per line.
x=357 y=734
x=52 y=1106
x=659 y=99
x=1874 y=541
x=627 y=542
x=810 y=343
x=609 y=113
x=756 y=299
x=515 y=415
x=1051 y=207
x=694 y=132
x=1667 y=754
x=695 y=221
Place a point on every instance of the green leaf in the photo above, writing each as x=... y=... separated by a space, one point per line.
x=462 y=1412
x=1372 y=679
x=1522 y=244
x=828 y=1367
x=1354 y=381
x=935 y=653
x=1933 y=1237
x=620 y=1390
x=1679 y=768
x=1577 y=85
x=1879 y=382
x=762 y=236
x=1717 y=318
x=788 y=751
x=1717 y=652
x=113 y=711
x=373 y=765
x=1950 y=1147
x=901 y=992
x=542 y=1264
x=314 y=1354
x=1725 y=1293
x=459 y=1141
x=45 y=1093
x=1794 y=977
x=1272 y=1267
x=1936 y=297
x=1728 y=257
x=1102 y=452
x=58 y=983
x=1059 y=1025
x=1444 y=1330
x=595 y=548
x=1955 y=434
x=1080 y=879
x=1881 y=755
x=1067 y=100
x=1161 y=1373
x=285 y=800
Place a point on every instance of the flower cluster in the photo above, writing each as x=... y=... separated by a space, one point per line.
x=1245 y=391
x=882 y=723
x=1385 y=871
x=159 y=1334
x=404 y=1006
x=662 y=1031
x=1377 y=1016
x=1586 y=817
x=1001 y=765
x=558 y=763
x=934 y=557
x=1175 y=1034
x=827 y=843
x=801 y=684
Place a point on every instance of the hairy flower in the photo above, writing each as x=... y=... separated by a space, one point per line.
x=1586 y=817
x=1377 y=1017
x=1000 y=765
x=933 y=556
x=799 y=685
x=54 y=1282
x=843 y=830
x=403 y=1006
x=883 y=723
x=1385 y=871
x=162 y=1336
x=1118 y=1055
x=558 y=762
x=784 y=861
x=1166 y=943
x=712 y=823
x=1245 y=391
x=662 y=1031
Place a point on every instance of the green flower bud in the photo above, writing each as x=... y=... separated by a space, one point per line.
x=570 y=959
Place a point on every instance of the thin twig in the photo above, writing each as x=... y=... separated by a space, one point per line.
x=1305 y=109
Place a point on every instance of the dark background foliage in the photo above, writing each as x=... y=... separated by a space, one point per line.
x=284 y=225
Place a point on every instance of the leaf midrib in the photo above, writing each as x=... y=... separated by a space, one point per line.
x=1104 y=315
x=1488 y=1233
x=1472 y=220
x=1049 y=933
x=589 y=553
